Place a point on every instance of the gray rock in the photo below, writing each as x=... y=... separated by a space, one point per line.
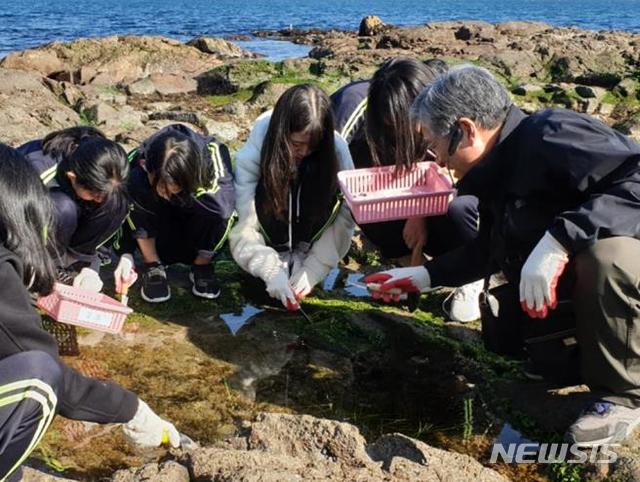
x=321 y=53
x=34 y=60
x=606 y=109
x=237 y=109
x=302 y=448
x=28 y=109
x=630 y=127
x=30 y=474
x=266 y=94
x=608 y=80
x=165 y=472
x=627 y=87
x=178 y=116
x=476 y=31
x=524 y=89
x=163 y=84
x=101 y=113
x=588 y=106
x=528 y=107
x=105 y=115
x=587 y=92
x=230 y=78
x=142 y=87
x=171 y=84
x=224 y=131
x=220 y=47
x=371 y=25
x=113 y=60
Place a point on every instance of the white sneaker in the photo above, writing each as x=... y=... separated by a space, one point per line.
x=465 y=305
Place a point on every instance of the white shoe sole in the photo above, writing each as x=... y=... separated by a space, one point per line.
x=608 y=440
x=155 y=300
x=208 y=296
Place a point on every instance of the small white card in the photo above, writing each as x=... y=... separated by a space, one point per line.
x=100 y=318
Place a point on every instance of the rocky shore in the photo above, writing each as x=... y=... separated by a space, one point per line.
x=129 y=86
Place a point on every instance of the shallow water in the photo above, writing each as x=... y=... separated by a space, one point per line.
x=274 y=50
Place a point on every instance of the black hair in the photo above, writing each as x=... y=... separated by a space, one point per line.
x=173 y=157
x=389 y=131
x=437 y=66
x=26 y=219
x=100 y=166
x=61 y=144
x=302 y=108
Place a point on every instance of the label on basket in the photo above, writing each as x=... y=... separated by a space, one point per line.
x=94 y=317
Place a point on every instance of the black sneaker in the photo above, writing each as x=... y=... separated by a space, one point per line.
x=68 y=274
x=205 y=283
x=155 y=286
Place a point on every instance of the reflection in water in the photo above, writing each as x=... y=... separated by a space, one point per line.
x=508 y=435
x=235 y=322
x=330 y=280
x=355 y=287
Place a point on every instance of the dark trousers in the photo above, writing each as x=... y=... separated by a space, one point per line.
x=83 y=227
x=444 y=233
x=181 y=232
x=606 y=301
x=29 y=382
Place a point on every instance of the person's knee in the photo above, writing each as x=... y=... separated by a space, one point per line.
x=40 y=366
x=609 y=270
x=66 y=209
x=463 y=213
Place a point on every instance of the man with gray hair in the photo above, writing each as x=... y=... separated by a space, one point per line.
x=557 y=190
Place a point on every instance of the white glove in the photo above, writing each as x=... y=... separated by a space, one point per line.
x=88 y=280
x=390 y=285
x=310 y=274
x=124 y=274
x=539 y=276
x=278 y=287
x=149 y=430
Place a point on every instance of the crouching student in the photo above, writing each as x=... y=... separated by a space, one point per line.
x=35 y=384
x=292 y=227
x=373 y=116
x=85 y=175
x=183 y=204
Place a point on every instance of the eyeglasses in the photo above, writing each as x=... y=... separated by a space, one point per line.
x=455 y=137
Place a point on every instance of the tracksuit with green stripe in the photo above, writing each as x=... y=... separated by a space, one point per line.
x=81 y=227
x=196 y=225
x=34 y=383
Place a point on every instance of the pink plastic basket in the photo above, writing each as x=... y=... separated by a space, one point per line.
x=385 y=193
x=84 y=308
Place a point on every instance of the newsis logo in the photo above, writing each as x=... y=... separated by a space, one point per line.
x=551 y=453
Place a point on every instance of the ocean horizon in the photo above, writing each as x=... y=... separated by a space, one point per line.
x=26 y=24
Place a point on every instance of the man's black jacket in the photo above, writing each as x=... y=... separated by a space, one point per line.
x=554 y=170
x=80 y=398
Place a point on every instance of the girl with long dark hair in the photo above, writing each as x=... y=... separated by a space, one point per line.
x=85 y=175
x=292 y=227
x=373 y=116
x=35 y=384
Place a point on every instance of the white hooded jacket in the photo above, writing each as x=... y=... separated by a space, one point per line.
x=248 y=245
